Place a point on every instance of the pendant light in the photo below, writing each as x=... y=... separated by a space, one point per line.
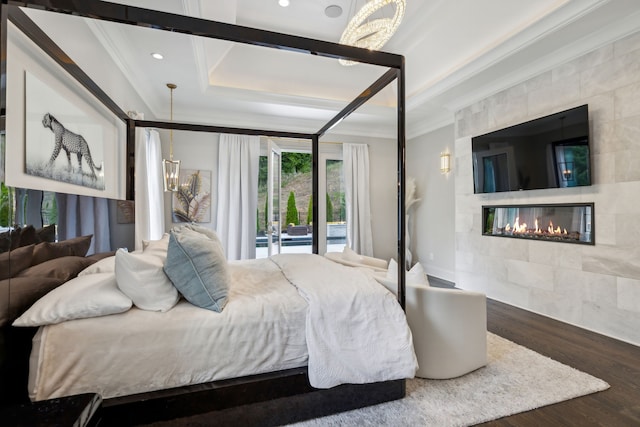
x=368 y=31
x=171 y=168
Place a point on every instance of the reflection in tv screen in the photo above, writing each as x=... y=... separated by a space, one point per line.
x=549 y=152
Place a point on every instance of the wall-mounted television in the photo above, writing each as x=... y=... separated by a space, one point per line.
x=548 y=152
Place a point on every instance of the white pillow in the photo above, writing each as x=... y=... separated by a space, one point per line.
x=375 y=263
x=141 y=278
x=415 y=276
x=91 y=295
x=156 y=247
x=392 y=270
x=350 y=255
x=105 y=265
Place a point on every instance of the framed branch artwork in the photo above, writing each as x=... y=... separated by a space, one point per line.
x=192 y=201
x=125 y=212
x=64 y=141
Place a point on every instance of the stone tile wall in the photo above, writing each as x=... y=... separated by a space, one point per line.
x=596 y=287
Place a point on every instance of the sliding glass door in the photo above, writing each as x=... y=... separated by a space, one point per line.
x=274 y=179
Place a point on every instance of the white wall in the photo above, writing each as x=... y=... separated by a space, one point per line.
x=432 y=222
x=595 y=287
x=195 y=150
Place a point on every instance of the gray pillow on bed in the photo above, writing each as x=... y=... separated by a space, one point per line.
x=197 y=266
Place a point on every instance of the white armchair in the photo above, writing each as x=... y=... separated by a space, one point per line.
x=449 y=328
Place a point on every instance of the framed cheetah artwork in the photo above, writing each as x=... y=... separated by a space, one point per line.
x=63 y=141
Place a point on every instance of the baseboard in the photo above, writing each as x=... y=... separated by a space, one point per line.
x=565 y=321
x=440 y=273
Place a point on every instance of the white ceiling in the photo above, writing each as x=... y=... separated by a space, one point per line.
x=457 y=51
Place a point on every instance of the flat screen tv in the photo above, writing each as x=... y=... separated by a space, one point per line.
x=548 y=152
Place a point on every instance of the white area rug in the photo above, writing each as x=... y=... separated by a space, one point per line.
x=515 y=380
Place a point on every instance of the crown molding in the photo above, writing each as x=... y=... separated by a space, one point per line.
x=506 y=48
x=592 y=41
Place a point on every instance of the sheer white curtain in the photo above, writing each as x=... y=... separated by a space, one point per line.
x=355 y=158
x=238 y=157
x=84 y=215
x=149 y=194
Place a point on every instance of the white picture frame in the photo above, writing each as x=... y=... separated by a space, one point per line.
x=64 y=141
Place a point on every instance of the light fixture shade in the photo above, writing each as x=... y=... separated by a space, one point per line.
x=171 y=173
x=365 y=32
x=445 y=162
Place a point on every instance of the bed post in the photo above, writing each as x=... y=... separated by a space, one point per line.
x=130 y=162
x=315 y=186
x=3 y=67
x=402 y=227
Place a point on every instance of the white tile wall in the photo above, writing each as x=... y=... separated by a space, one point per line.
x=596 y=287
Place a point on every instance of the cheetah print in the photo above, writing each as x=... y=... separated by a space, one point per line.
x=70 y=142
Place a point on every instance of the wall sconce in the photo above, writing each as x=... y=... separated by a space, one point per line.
x=445 y=162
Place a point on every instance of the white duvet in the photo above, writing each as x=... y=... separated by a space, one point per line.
x=356 y=330
x=344 y=326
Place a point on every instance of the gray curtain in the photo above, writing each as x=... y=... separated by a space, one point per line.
x=84 y=215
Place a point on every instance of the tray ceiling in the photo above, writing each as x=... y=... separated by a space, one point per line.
x=456 y=53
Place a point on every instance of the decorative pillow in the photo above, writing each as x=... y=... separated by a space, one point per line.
x=78 y=246
x=13 y=262
x=21 y=292
x=350 y=255
x=197 y=267
x=353 y=258
x=14 y=236
x=46 y=233
x=156 y=247
x=105 y=265
x=203 y=230
x=5 y=241
x=141 y=278
x=64 y=268
x=415 y=276
x=28 y=236
x=88 y=296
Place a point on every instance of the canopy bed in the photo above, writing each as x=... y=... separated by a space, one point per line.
x=282 y=394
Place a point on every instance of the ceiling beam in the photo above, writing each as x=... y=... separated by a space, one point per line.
x=212 y=29
x=221 y=129
x=361 y=99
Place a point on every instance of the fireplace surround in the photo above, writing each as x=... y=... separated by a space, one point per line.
x=565 y=223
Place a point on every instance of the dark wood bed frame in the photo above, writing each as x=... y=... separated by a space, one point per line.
x=268 y=399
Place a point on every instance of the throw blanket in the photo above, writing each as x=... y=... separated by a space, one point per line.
x=355 y=329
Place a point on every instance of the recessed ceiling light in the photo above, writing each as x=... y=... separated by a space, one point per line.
x=283 y=3
x=157 y=55
x=333 y=11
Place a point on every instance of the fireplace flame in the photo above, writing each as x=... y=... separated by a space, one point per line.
x=522 y=228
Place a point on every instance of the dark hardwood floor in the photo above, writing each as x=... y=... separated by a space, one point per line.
x=613 y=361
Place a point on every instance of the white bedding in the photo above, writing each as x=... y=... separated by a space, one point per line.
x=260 y=330
x=355 y=333
x=356 y=330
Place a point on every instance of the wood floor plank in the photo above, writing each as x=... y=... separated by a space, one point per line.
x=616 y=362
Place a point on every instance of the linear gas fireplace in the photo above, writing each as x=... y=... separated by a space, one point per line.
x=566 y=223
